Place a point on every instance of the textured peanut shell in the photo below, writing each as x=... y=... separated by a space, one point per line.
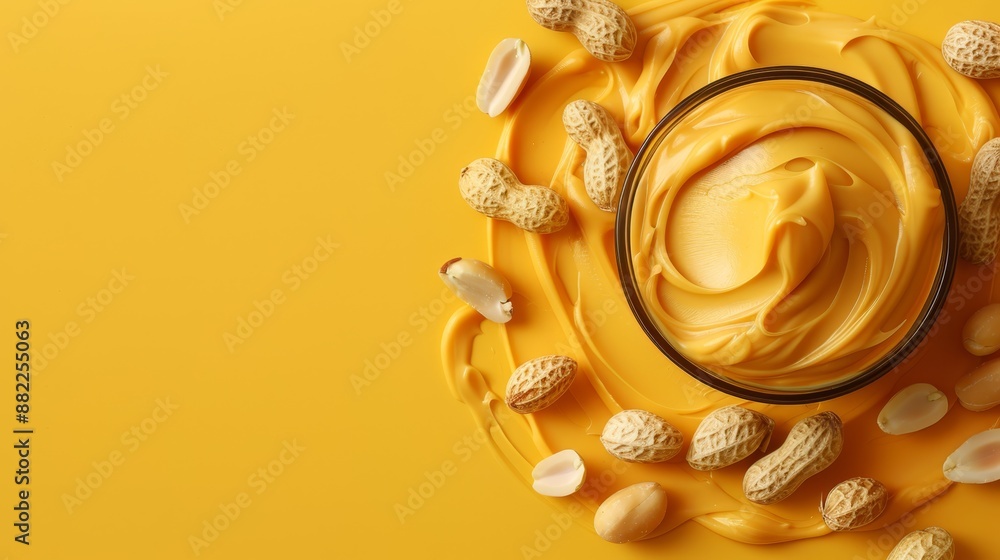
x=602 y=27
x=811 y=446
x=932 y=543
x=854 y=503
x=727 y=436
x=608 y=157
x=978 y=222
x=538 y=383
x=491 y=188
x=639 y=436
x=972 y=48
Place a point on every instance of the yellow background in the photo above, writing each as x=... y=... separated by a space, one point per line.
x=150 y=422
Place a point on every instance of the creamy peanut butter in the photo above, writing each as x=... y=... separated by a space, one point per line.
x=568 y=298
x=786 y=234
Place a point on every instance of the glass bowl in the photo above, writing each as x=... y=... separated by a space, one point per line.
x=650 y=176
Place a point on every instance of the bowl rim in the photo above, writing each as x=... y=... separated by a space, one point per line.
x=942 y=280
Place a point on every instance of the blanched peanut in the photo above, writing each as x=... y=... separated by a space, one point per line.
x=481 y=286
x=631 y=513
x=912 y=409
x=505 y=75
x=981 y=334
x=980 y=388
x=559 y=474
